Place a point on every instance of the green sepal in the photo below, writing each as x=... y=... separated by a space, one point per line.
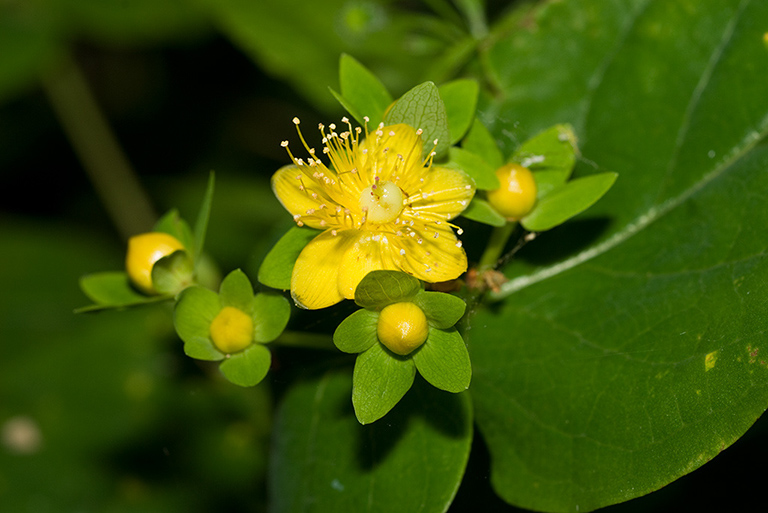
x=381 y=288
x=566 y=201
x=247 y=368
x=443 y=360
x=201 y=224
x=379 y=381
x=357 y=333
x=362 y=93
x=483 y=174
x=271 y=314
x=443 y=310
x=553 y=150
x=172 y=224
x=195 y=310
x=421 y=107
x=481 y=211
x=480 y=142
x=546 y=182
x=460 y=100
x=236 y=291
x=276 y=269
x=113 y=289
x=173 y=273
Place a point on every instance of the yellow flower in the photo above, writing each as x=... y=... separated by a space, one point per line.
x=381 y=208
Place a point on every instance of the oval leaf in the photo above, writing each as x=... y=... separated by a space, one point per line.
x=481 y=211
x=248 y=367
x=567 y=200
x=421 y=107
x=481 y=172
x=443 y=361
x=362 y=92
x=381 y=288
x=276 y=269
x=380 y=380
x=357 y=333
x=443 y=310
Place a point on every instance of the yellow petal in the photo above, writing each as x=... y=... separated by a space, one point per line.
x=445 y=192
x=287 y=184
x=314 y=283
x=370 y=252
x=439 y=256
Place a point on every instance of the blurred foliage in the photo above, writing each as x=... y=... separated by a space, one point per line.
x=104 y=412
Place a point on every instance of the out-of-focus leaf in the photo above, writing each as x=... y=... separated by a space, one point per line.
x=362 y=93
x=247 y=368
x=552 y=151
x=460 y=99
x=325 y=460
x=481 y=211
x=475 y=166
x=480 y=142
x=272 y=312
x=637 y=357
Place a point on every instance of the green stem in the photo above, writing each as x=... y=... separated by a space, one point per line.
x=305 y=340
x=96 y=146
x=495 y=247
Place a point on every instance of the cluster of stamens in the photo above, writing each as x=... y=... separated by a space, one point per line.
x=369 y=188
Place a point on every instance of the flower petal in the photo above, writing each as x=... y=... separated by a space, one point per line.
x=439 y=256
x=370 y=252
x=314 y=283
x=293 y=187
x=445 y=192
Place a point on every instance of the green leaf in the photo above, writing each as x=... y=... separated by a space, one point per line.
x=567 y=200
x=247 y=368
x=276 y=269
x=201 y=225
x=443 y=361
x=421 y=107
x=172 y=224
x=195 y=310
x=547 y=181
x=357 y=333
x=478 y=169
x=173 y=273
x=481 y=211
x=111 y=288
x=362 y=93
x=552 y=151
x=480 y=142
x=460 y=100
x=324 y=460
x=271 y=314
x=634 y=354
x=380 y=380
x=443 y=310
x=381 y=288
x=236 y=291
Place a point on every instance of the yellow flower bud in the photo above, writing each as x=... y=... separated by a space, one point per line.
x=143 y=251
x=232 y=330
x=402 y=327
x=517 y=194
